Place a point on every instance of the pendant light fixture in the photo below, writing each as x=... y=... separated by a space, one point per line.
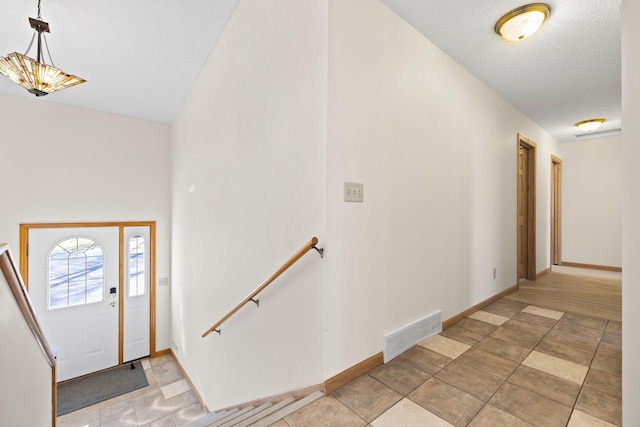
x=33 y=74
x=522 y=22
x=590 y=125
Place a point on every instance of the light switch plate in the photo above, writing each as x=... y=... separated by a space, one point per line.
x=163 y=281
x=353 y=192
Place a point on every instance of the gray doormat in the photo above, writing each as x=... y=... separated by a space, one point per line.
x=94 y=388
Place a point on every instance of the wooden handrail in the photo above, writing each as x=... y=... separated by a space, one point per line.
x=311 y=244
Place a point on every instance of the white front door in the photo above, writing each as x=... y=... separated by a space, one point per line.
x=74 y=286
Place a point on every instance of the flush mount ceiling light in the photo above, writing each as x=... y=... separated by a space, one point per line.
x=33 y=74
x=590 y=125
x=522 y=22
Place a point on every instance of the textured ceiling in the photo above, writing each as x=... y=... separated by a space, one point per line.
x=567 y=72
x=141 y=57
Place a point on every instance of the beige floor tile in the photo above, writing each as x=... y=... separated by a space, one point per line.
x=89 y=418
x=281 y=423
x=116 y=410
x=399 y=376
x=527 y=327
x=600 y=405
x=129 y=419
x=162 y=422
x=424 y=359
x=558 y=389
x=174 y=389
x=146 y=364
x=447 y=402
x=531 y=407
x=555 y=366
x=490 y=416
x=485 y=316
x=580 y=419
x=544 y=312
x=445 y=346
x=187 y=414
x=367 y=397
x=326 y=411
x=488 y=362
x=408 y=414
x=474 y=381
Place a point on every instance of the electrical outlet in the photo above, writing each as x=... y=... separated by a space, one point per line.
x=163 y=281
x=353 y=192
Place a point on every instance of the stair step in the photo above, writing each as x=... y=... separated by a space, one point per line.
x=287 y=410
x=232 y=416
x=265 y=413
x=254 y=411
x=212 y=417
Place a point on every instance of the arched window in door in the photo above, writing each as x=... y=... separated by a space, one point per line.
x=76 y=273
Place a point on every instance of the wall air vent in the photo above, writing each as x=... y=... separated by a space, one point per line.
x=407 y=336
x=601 y=134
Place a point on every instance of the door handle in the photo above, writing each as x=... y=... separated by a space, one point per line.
x=113 y=304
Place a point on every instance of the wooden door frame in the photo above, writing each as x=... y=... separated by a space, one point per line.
x=556 y=210
x=24 y=269
x=531 y=148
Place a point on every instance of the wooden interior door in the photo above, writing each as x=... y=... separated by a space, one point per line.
x=526 y=211
x=556 y=210
x=522 y=213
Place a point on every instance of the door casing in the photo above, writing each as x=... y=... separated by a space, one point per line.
x=556 y=210
x=24 y=267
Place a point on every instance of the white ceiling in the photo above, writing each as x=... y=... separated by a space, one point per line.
x=141 y=57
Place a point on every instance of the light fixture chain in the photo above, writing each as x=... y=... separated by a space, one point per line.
x=39 y=15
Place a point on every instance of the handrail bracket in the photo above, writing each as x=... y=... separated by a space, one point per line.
x=219 y=331
x=320 y=251
x=256 y=302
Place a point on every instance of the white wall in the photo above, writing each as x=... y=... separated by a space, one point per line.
x=249 y=179
x=630 y=213
x=67 y=164
x=592 y=201
x=436 y=151
x=25 y=375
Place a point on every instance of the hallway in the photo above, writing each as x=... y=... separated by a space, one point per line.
x=547 y=355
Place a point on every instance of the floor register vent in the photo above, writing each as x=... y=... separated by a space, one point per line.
x=407 y=336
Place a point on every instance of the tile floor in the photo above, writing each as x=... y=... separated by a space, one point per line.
x=166 y=402
x=510 y=364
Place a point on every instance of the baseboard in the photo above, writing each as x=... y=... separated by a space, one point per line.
x=348 y=375
x=591 y=266
x=297 y=394
x=161 y=352
x=543 y=273
x=195 y=391
x=455 y=319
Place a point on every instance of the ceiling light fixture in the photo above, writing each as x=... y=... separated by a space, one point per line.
x=522 y=22
x=590 y=125
x=33 y=74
